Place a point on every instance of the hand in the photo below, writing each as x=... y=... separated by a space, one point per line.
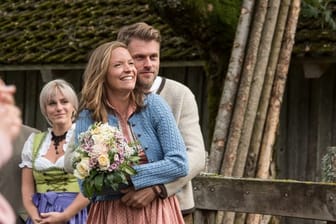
x=10 y=114
x=139 y=198
x=36 y=220
x=10 y=124
x=52 y=217
x=7 y=93
x=10 y=120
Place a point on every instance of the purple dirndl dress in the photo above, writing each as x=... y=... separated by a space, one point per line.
x=57 y=202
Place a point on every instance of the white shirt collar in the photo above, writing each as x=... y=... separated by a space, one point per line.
x=156 y=84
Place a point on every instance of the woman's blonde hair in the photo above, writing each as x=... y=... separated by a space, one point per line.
x=50 y=89
x=94 y=92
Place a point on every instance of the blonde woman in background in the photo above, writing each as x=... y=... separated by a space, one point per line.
x=49 y=194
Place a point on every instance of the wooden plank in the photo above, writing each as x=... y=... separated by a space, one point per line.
x=308 y=200
x=196 y=81
x=293 y=155
x=325 y=115
x=298 y=127
x=313 y=130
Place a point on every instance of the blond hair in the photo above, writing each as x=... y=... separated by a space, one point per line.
x=94 y=92
x=51 y=88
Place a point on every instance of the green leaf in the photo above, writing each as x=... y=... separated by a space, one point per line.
x=98 y=182
x=87 y=188
x=93 y=173
x=109 y=179
x=118 y=177
x=134 y=159
x=115 y=186
x=128 y=169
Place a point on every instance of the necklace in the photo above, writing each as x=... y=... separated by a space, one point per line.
x=57 y=139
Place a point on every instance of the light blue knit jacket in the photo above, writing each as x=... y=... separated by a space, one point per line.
x=157 y=132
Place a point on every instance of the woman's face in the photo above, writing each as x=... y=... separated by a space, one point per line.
x=122 y=74
x=59 y=109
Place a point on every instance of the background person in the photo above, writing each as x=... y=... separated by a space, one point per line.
x=49 y=194
x=10 y=181
x=10 y=124
x=143 y=42
x=109 y=95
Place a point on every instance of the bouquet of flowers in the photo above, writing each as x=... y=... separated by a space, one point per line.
x=103 y=159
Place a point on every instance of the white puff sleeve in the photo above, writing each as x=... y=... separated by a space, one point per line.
x=27 y=152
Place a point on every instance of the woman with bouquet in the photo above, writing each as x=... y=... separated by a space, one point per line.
x=110 y=95
x=49 y=194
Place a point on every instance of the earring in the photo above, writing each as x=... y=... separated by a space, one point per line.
x=73 y=116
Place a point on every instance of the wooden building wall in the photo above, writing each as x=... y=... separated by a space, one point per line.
x=30 y=82
x=307 y=126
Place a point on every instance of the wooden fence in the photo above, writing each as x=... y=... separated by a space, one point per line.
x=286 y=198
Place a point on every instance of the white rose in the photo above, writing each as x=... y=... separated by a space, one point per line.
x=103 y=161
x=82 y=168
x=98 y=139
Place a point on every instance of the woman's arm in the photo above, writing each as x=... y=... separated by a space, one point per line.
x=166 y=150
x=28 y=190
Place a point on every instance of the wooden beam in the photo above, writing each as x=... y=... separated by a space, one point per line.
x=308 y=200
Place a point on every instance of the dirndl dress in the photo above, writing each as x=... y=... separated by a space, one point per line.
x=56 y=190
x=57 y=202
x=160 y=211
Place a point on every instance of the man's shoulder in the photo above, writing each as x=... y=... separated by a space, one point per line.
x=25 y=132
x=172 y=85
x=171 y=82
x=28 y=129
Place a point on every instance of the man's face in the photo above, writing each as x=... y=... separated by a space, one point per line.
x=146 y=56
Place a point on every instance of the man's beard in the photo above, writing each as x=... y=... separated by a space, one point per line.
x=145 y=86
